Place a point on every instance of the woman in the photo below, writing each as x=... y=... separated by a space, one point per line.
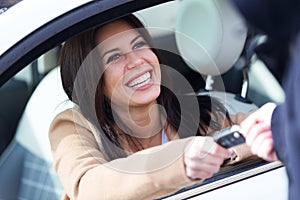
x=127 y=137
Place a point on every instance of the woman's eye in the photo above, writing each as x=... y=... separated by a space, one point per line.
x=139 y=45
x=113 y=58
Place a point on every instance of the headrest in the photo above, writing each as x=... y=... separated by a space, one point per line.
x=210 y=35
x=47 y=100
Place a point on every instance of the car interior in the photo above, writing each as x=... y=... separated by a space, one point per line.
x=30 y=100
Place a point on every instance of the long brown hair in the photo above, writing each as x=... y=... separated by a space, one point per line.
x=88 y=93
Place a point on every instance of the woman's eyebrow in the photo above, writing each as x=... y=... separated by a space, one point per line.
x=115 y=49
x=107 y=52
x=135 y=39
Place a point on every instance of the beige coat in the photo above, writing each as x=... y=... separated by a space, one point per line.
x=85 y=172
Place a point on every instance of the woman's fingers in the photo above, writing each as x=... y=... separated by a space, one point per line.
x=201 y=170
x=221 y=152
x=208 y=159
x=203 y=157
x=202 y=147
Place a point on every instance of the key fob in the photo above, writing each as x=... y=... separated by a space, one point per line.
x=229 y=137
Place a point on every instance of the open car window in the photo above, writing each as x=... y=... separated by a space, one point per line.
x=25 y=64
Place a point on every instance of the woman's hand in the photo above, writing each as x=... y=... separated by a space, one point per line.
x=203 y=157
x=257 y=130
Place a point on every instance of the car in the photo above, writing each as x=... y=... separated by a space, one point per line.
x=189 y=34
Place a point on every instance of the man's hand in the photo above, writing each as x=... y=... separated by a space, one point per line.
x=257 y=130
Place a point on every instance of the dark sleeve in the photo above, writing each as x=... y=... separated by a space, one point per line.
x=274 y=17
x=277 y=133
x=279 y=20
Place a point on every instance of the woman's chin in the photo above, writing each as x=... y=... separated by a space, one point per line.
x=141 y=98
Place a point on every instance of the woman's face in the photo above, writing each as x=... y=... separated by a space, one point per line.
x=132 y=73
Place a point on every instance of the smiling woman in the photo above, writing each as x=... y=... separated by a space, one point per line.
x=128 y=129
x=121 y=55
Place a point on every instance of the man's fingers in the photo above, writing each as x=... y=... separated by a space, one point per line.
x=263 y=146
x=260 y=141
x=263 y=114
x=266 y=151
x=261 y=138
x=247 y=124
x=255 y=131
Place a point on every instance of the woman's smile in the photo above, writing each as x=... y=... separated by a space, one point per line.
x=142 y=81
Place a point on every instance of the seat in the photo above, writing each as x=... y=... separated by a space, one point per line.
x=211 y=42
x=26 y=169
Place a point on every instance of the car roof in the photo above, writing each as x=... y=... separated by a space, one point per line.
x=27 y=16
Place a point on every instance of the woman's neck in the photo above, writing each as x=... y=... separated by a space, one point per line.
x=144 y=122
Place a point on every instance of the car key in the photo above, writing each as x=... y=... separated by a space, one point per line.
x=229 y=137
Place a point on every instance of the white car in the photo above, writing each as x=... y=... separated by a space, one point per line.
x=205 y=40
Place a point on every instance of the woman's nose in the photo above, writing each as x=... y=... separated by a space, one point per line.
x=133 y=60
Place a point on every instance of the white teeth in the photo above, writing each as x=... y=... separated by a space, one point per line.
x=140 y=81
